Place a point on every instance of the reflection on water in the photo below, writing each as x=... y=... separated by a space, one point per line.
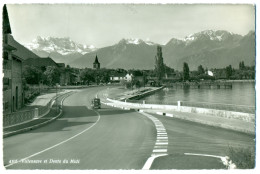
x=240 y=94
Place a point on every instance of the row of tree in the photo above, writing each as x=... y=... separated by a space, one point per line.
x=88 y=75
x=50 y=76
x=244 y=72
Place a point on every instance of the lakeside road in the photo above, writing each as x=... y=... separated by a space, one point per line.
x=112 y=138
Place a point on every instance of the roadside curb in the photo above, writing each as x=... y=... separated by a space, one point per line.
x=37 y=125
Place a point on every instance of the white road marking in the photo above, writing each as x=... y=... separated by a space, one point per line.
x=49 y=148
x=160 y=147
x=150 y=160
x=159 y=154
x=197 y=154
x=224 y=159
x=160 y=150
x=159 y=135
x=161 y=143
x=159 y=138
x=164 y=140
x=160 y=130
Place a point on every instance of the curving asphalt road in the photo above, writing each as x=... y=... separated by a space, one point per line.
x=111 y=138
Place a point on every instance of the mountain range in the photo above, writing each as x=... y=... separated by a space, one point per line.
x=62 y=50
x=211 y=49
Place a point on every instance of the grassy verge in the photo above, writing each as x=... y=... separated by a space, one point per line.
x=243 y=158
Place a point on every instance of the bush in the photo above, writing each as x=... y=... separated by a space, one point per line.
x=31 y=96
x=243 y=158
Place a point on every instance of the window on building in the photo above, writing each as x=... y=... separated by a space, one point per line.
x=6 y=83
x=5 y=107
x=5 y=55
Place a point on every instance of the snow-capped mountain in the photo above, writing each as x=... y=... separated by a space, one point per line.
x=62 y=50
x=136 y=41
x=212 y=49
x=218 y=35
x=63 y=46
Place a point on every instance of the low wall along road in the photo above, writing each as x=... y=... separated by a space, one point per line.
x=234 y=120
x=220 y=113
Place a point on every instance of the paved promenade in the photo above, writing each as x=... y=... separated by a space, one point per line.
x=43 y=100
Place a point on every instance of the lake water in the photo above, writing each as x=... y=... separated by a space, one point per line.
x=242 y=93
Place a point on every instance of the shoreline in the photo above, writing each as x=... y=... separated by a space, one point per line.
x=234 y=81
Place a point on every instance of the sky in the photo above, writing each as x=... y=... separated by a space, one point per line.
x=103 y=24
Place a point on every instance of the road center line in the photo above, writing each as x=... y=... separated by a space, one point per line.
x=161 y=136
x=49 y=148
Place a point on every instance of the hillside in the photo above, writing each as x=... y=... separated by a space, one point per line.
x=211 y=49
x=124 y=54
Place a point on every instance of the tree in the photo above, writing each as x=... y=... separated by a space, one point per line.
x=201 y=70
x=228 y=71
x=241 y=65
x=103 y=75
x=87 y=75
x=186 y=71
x=32 y=74
x=52 y=75
x=159 y=65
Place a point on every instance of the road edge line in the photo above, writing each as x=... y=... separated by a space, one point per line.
x=225 y=159
x=64 y=141
x=149 y=162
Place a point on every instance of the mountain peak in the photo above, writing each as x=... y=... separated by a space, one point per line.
x=62 y=46
x=175 y=41
x=215 y=35
x=135 y=41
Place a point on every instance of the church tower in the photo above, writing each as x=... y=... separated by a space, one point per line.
x=96 y=64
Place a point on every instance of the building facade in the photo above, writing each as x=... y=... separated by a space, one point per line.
x=13 y=95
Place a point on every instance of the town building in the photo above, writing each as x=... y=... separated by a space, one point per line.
x=96 y=64
x=117 y=77
x=13 y=95
x=41 y=63
x=129 y=77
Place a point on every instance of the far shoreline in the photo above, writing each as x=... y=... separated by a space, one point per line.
x=244 y=80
